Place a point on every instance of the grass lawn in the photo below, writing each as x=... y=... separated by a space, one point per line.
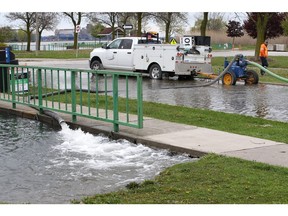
x=211 y=180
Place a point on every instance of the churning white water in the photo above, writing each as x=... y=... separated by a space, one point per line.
x=129 y=161
x=41 y=165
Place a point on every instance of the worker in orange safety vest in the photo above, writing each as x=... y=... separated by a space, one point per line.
x=263 y=55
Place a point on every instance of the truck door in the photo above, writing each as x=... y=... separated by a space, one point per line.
x=125 y=55
x=111 y=53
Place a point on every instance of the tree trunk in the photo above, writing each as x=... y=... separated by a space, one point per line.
x=139 y=24
x=28 y=41
x=113 y=31
x=167 y=27
x=261 y=25
x=204 y=24
x=39 y=40
x=167 y=33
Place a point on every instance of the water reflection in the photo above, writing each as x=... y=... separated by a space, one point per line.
x=265 y=101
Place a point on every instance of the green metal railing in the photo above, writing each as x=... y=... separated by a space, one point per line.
x=99 y=95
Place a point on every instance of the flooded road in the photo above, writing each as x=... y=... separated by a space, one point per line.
x=265 y=101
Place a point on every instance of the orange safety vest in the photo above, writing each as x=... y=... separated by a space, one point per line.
x=263 y=51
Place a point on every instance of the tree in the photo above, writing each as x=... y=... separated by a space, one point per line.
x=140 y=16
x=234 y=29
x=141 y=19
x=76 y=18
x=172 y=21
x=106 y=18
x=5 y=33
x=96 y=29
x=124 y=19
x=204 y=24
x=213 y=20
x=263 y=26
x=284 y=25
x=47 y=21
x=28 y=19
x=216 y=21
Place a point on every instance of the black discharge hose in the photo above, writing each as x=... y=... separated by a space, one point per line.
x=63 y=92
x=51 y=114
x=54 y=116
x=210 y=83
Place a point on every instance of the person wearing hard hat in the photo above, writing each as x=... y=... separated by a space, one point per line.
x=263 y=55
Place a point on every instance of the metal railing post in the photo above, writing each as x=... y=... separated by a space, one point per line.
x=12 y=85
x=139 y=101
x=115 y=103
x=73 y=95
x=40 y=100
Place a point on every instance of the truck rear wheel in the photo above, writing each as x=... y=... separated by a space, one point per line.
x=155 y=72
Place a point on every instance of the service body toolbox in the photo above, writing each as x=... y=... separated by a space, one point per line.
x=162 y=54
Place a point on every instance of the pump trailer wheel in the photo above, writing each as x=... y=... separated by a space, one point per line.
x=252 y=77
x=229 y=78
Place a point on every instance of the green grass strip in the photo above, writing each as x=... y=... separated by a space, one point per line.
x=211 y=180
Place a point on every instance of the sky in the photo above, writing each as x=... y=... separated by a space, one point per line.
x=66 y=24
x=191 y=6
x=145 y=6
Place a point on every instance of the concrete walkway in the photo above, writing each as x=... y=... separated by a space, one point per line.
x=193 y=140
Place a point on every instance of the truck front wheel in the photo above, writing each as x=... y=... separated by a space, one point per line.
x=155 y=72
x=96 y=65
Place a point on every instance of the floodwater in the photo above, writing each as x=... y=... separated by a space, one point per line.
x=265 y=101
x=41 y=165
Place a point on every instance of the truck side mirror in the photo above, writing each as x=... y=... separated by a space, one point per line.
x=104 y=46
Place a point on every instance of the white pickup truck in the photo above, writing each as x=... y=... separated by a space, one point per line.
x=148 y=56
